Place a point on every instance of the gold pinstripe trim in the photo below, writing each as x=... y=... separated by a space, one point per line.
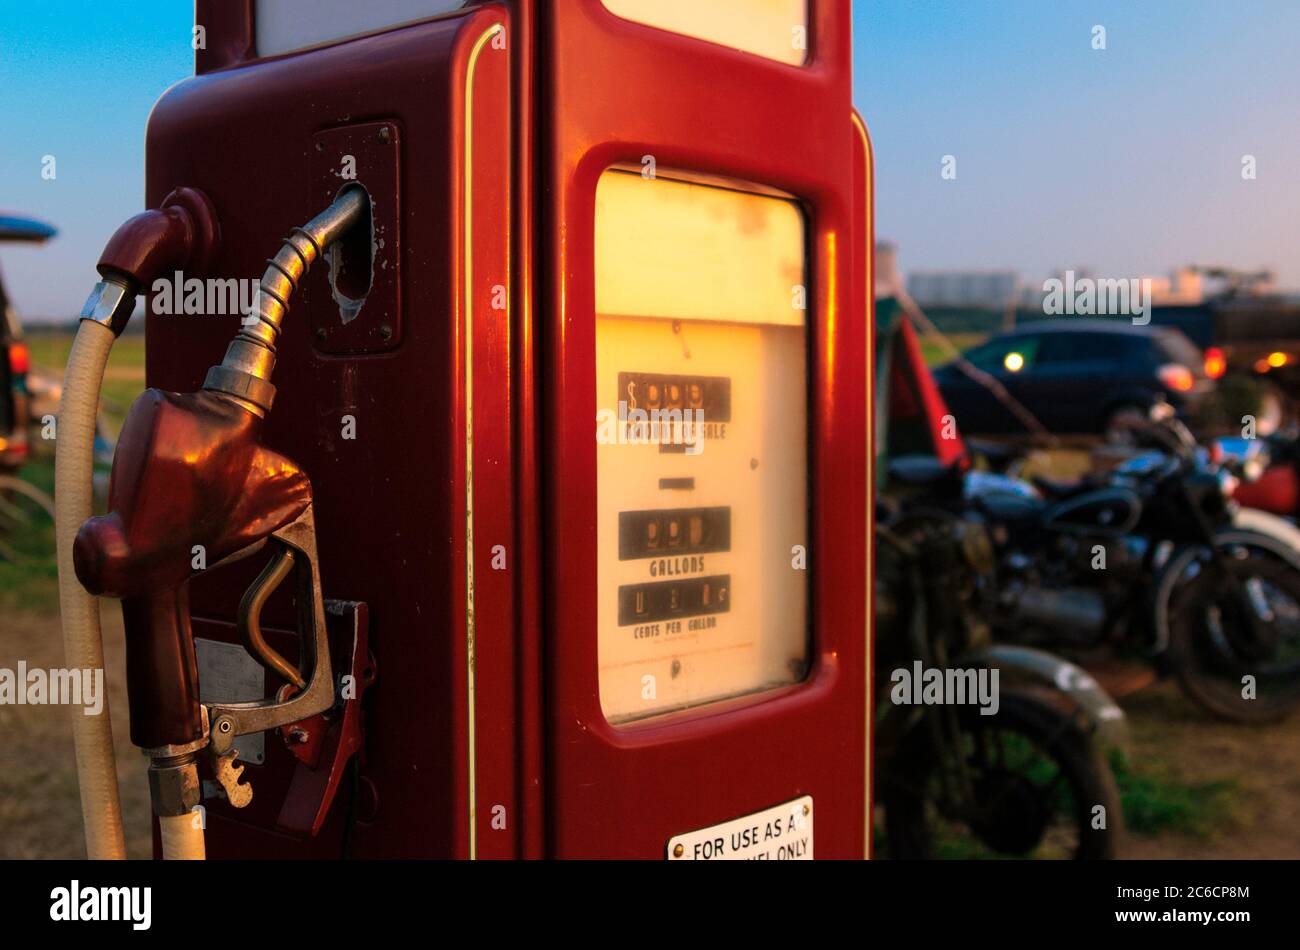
x=467 y=198
x=869 y=251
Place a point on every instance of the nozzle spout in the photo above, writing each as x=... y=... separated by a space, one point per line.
x=245 y=373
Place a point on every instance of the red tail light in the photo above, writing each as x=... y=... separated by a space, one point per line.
x=20 y=360
x=1215 y=363
x=1176 y=376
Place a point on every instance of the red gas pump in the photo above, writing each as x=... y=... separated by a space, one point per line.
x=512 y=639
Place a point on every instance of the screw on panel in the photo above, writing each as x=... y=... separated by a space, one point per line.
x=678 y=851
x=385 y=135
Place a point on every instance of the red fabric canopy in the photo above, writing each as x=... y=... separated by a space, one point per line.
x=914 y=397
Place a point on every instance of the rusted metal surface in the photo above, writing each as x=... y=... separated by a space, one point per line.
x=359 y=309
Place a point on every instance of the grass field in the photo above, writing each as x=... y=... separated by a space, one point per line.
x=40 y=809
x=123 y=379
x=936 y=353
x=34 y=585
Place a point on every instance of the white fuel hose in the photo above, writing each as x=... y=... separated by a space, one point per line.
x=83 y=644
x=182 y=837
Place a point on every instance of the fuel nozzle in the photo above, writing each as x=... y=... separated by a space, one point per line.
x=245 y=373
x=182 y=233
x=189 y=470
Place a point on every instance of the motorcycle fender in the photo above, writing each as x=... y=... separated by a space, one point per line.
x=1250 y=526
x=1271 y=526
x=1103 y=715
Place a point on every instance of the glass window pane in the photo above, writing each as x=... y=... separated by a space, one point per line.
x=776 y=29
x=285 y=25
x=701 y=457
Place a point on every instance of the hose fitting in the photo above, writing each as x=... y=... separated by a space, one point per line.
x=245 y=373
x=111 y=302
x=182 y=233
x=174 y=787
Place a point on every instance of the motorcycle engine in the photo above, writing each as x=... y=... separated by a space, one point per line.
x=1041 y=598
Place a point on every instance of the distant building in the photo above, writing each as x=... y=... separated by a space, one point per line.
x=1184 y=286
x=988 y=289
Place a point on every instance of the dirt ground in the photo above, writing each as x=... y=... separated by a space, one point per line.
x=1261 y=764
x=40 y=809
x=1258 y=815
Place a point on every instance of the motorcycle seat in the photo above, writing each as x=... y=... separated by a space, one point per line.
x=1057 y=489
x=997 y=454
x=1012 y=509
x=922 y=471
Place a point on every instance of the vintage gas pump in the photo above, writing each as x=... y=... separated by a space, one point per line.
x=648 y=220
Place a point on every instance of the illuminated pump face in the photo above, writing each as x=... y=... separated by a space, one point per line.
x=701 y=457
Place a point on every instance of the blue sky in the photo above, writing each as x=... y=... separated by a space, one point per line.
x=77 y=81
x=1126 y=161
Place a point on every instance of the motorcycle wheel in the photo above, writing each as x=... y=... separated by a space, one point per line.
x=1037 y=779
x=1212 y=652
x=26 y=522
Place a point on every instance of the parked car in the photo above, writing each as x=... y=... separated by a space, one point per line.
x=1077 y=377
x=14 y=362
x=1247 y=340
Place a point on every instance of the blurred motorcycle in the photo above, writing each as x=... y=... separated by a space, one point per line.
x=1274 y=481
x=1024 y=777
x=1153 y=554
